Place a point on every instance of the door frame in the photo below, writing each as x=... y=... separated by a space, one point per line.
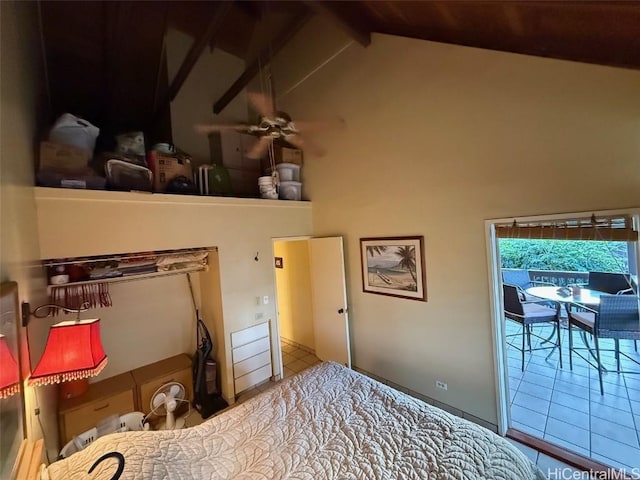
x=503 y=412
x=276 y=325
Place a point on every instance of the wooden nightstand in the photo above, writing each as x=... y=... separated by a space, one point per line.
x=113 y=396
x=151 y=377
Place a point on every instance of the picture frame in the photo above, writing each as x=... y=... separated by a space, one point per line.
x=279 y=262
x=394 y=266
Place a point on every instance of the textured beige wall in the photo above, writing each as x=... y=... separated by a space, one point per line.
x=438 y=139
x=20 y=115
x=153 y=319
x=293 y=283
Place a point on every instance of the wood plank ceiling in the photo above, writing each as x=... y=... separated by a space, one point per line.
x=106 y=59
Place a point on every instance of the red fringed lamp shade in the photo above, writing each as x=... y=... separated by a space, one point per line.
x=73 y=351
x=9 y=370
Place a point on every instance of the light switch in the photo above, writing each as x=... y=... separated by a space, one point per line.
x=265 y=299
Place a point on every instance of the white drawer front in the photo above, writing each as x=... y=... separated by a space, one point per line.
x=249 y=334
x=250 y=349
x=250 y=379
x=251 y=364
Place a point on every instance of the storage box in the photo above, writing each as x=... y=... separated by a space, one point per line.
x=283 y=155
x=166 y=167
x=290 y=191
x=288 y=155
x=81 y=179
x=63 y=158
x=288 y=172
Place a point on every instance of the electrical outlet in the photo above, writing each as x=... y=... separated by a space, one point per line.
x=258 y=301
x=442 y=385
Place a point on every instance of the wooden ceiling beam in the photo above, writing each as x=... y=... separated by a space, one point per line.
x=263 y=58
x=357 y=32
x=206 y=38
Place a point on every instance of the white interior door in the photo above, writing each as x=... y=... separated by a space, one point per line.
x=329 y=298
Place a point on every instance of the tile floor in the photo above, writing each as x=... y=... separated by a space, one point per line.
x=551 y=467
x=565 y=407
x=294 y=360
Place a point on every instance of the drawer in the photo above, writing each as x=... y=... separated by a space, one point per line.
x=251 y=364
x=251 y=349
x=82 y=419
x=250 y=379
x=249 y=334
x=148 y=388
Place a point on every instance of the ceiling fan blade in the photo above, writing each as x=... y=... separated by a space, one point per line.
x=206 y=129
x=306 y=144
x=317 y=125
x=260 y=148
x=262 y=104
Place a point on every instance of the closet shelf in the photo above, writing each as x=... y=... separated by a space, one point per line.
x=79 y=281
x=54 y=262
x=131 y=278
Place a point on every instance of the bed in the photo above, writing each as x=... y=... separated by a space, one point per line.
x=328 y=422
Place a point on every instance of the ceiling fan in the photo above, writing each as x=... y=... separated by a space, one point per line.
x=275 y=126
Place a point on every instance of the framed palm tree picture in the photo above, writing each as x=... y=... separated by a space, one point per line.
x=394 y=266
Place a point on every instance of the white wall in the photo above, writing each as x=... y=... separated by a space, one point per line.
x=21 y=113
x=438 y=139
x=116 y=222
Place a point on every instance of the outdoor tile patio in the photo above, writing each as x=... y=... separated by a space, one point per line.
x=565 y=407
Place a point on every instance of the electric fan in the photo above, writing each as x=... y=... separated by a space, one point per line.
x=165 y=401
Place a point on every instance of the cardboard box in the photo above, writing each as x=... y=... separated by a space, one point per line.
x=165 y=167
x=283 y=155
x=288 y=155
x=64 y=158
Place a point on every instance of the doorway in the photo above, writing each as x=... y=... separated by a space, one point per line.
x=294 y=305
x=557 y=406
x=311 y=302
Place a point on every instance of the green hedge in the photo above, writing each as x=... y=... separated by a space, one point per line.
x=575 y=256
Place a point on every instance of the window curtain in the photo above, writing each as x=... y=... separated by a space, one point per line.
x=617 y=229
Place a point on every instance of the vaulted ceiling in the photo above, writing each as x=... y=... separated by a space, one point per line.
x=106 y=59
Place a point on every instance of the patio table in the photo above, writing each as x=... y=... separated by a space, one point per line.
x=584 y=296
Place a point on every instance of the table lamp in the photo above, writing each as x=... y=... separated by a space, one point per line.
x=9 y=370
x=73 y=353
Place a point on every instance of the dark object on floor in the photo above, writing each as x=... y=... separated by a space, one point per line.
x=203 y=401
x=127 y=176
x=182 y=185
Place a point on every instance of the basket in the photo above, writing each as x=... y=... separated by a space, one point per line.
x=129 y=422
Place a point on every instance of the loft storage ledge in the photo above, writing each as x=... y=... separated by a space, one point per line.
x=70 y=194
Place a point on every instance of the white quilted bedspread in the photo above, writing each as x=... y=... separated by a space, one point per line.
x=325 y=423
